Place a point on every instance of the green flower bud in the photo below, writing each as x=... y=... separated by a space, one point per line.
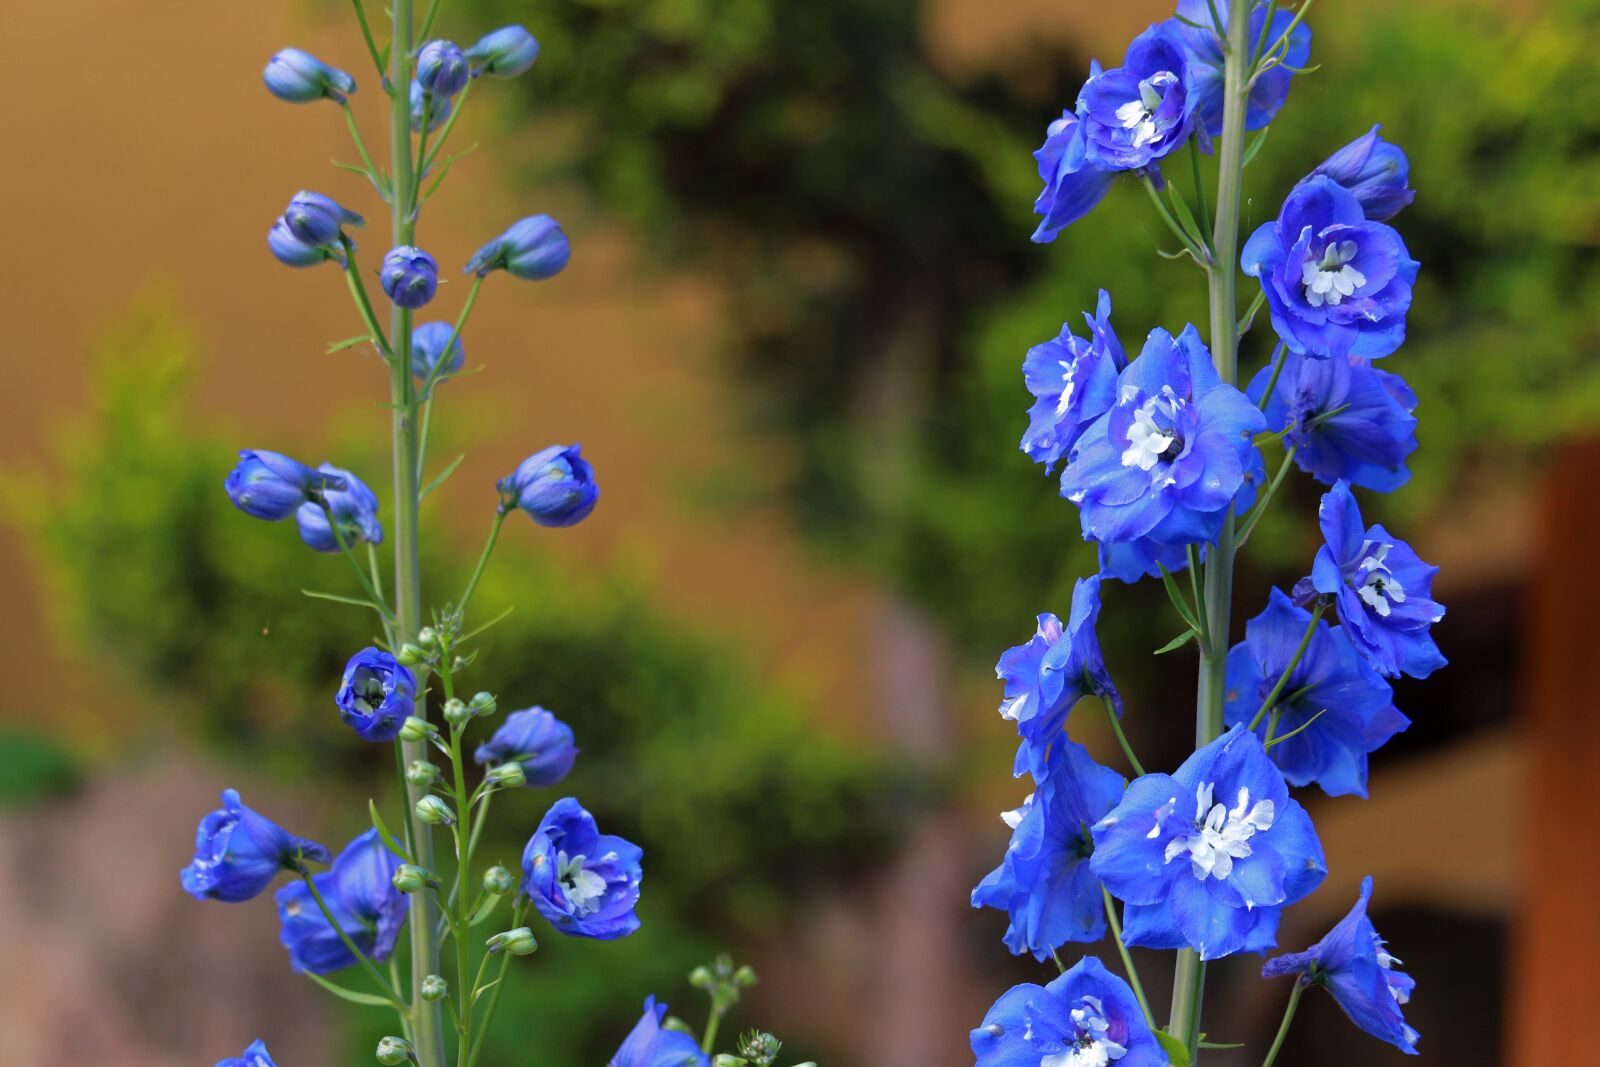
x=700 y=977
x=759 y=1047
x=460 y=663
x=428 y=638
x=518 y=942
x=507 y=775
x=412 y=655
x=456 y=712
x=434 y=987
x=432 y=810
x=409 y=878
x=498 y=880
x=722 y=1059
x=483 y=704
x=414 y=729
x=422 y=773
x=746 y=976
x=395 y=1050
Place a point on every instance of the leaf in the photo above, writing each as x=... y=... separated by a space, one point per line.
x=1297 y=729
x=485 y=910
x=1177 y=642
x=442 y=475
x=481 y=990
x=1176 y=596
x=339 y=598
x=1185 y=216
x=383 y=831
x=351 y=995
x=1177 y=1051
x=1255 y=144
x=464 y=638
x=348 y=342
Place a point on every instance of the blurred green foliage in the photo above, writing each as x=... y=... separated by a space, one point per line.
x=739 y=803
x=34 y=767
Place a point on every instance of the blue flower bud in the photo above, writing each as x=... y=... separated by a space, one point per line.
x=555 y=486
x=505 y=53
x=254 y=1056
x=428 y=342
x=535 y=740
x=377 y=695
x=293 y=252
x=301 y=78
x=316 y=219
x=532 y=249
x=438 y=109
x=1375 y=172
x=354 y=508
x=442 y=69
x=409 y=276
x=237 y=853
x=269 y=485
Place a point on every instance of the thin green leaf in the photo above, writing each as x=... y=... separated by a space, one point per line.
x=1177 y=1051
x=481 y=990
x=1185 y=216
x=474 y=633
x=485 y=910
x=1177 y=642
x=339 y=598
x=383 y=831
x=1176 y=596
x=369 y=999
x=444 y=474
x=1297 y=729
x=1255 y=144
x=1214 y=1044
x=348 y=342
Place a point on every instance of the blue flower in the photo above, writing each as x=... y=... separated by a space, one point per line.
x=436 y=109
x=237 y=853
x=409 y=276
x=585 y=882
x=355 y=508
x=1209 y=856
x=650 y=1044
x=301 y=78
x=428 y=342
x=1374 y=171
x=1075 y=382
x=1352 y=964
x=1135 y=114
x=1073 y=183
x=359 y=892
x=289 y=250
x=1382 y=591
x=533 y=249
x=376 y=695
x=555 y=486
x=505 y=53
x=1044 y=882
x=1128 y=561
x=1336 y=284
x=1204 y=47
x=1085 y=1017
x=254 y=1056
x=442 y=69
x=1347 y=420
x=270 y=485
x=1170 y=457
x=316 y=219
x=536 y=739
x=1349 y=707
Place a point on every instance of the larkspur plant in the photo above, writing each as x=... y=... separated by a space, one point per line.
x=385 y=890
x=1162 y=454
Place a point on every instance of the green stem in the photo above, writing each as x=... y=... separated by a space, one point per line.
x=372 y=46
x=361 y=957
x=1266 y=497
x=1127 y=958
x=713 y=1022
x=1278 y=355
x=1283 y=679
x=1172 y=223
x=1122 y=739
x=483 y=560
x=373 y=174
x=1199 y=596
x=1188 y=982
x=358 y=292
x=444 y=131
x=1199 y=184
x=437 y=370
x=517 y=911
x=1283 y=1027
x=427 y=21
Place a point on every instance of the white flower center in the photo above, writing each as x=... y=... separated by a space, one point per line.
x=1378 y=588
x=1091 y=1046
x=1067 y=368
x=1139 y=115
x=1333 y=278
x=1149 y=439
x=1220 y=835
x=582 y=888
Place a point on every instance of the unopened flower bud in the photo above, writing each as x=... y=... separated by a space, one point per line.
x=746 y=975
x=759 y=1047
x=507 y=776
x=409 y=878
x=505 y=53
x=700 y=977
x=555 y=486
x=532 y=249
x=422 y=773
x=518 y=942
x=412 y=655
x=301 y=78
x=428 y=638
x=318 y=219
x=436 y=109
x=432 y=810
x=483 y=704
x=409 y=276
x=395 y=1050
x=442 y=68
x=497 y=880
x=722 y=1059
x=456 y=711
x=414 y=729
x=293 y=252
x=434 y=987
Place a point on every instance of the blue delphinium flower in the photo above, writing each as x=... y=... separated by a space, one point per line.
x=376 y=695
x=536 y=739
x=271 y=486
x=1348 y=706
x=316 y=219
x=1087 y=1017
x=1209 y=856
x=1204 y=46
x=1336 y=284
x=436 y=109
x=1129 y=561
x=1044 y=882
x=1170 y=457
x=1375 y=172
x=301 y=78
x=1135 y=114
x=1382 y=591
x=409 y=276
x=585 y=882
x=289 y=250
x=237 y=853
x=254 y=1056
x=1352 y=964
x=555 y=486
x=428 y=342
x=504 y=53
x=359 y=891
x=650 y=1044
x=355 y=509
x=1056 y=668
x=1073 y=183
x=1346 y=419
x=532 y=249
x=442 y=69
x=1075 y=381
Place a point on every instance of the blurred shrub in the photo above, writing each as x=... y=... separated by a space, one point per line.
x=34 y=767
